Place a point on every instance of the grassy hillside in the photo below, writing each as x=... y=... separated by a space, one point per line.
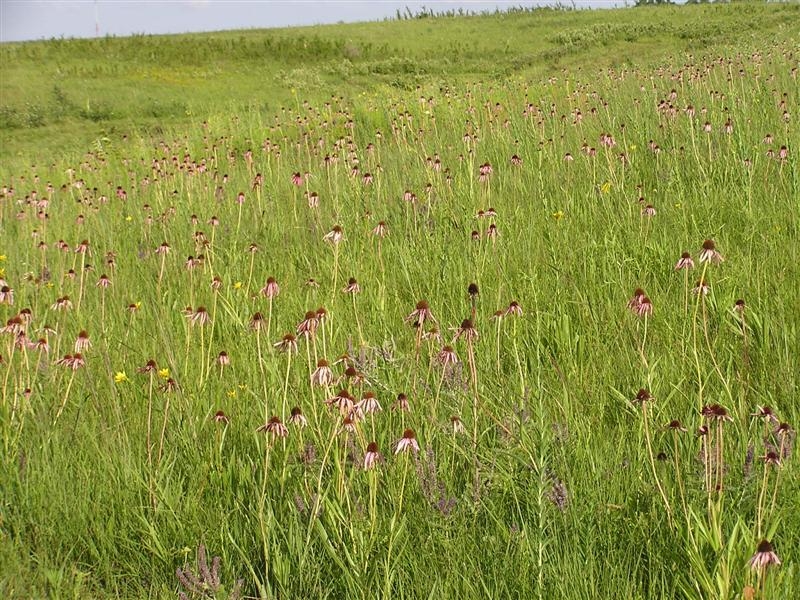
x=53 y=93
x=492 y=307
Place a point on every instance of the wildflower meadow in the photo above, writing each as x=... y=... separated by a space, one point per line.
x=366 y=321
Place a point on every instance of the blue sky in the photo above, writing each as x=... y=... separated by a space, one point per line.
x=44 y=19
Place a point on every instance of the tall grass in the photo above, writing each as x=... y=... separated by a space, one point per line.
x=540 y=470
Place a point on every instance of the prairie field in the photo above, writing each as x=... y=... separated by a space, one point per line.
x=497 y=306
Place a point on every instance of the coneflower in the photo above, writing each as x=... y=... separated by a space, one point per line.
x=401 y=403
x=275 y=428
x=369 y=403
x=6 y=295
x=407 y=443
x=322 y=376
x=343 y=401
x=514 y=309
x=352 y=287
x=308 y=326
x=297 y=417
x=271 y=289
x=288 y=343
x=457 y=425
x=684 y=262
x=82 y=343
x=709 y=253
x=420 y=314
x=636 y=300
x=372 y=457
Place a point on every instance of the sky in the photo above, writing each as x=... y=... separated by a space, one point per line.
x=44 y=19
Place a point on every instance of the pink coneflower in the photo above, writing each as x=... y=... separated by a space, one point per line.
x=297 y=179
x=63 y=303
x=701 y=287
x=772 y=458
x=163 y=248
x=352 y=287
x=220 y=417
x=313 y=200
x=467 y=331
x=271 y=289
x=649 y=211
x=103 y=282
x=348 y=425
x=191 y=263
x=684 y=262
x=288 y=343
x=407 y=443
x=82 y=343
x=343 y=401
x=258 y=322
x=765 y=412
x=240 y=198
x=728 y=126
x=149 y=367
x=636 y=300
x=82 y=248
x=353 y=377
x=369 y=404
x=764 y=557
x=709 y=253
x=335 y=235
x=645 y=308
x=322 y=375
x=447 y=356
x=216 y=283
x=275 y=428
x=74 y=361
x=372 y=456
x=308 y=326
x=783 y=430
x=516 y=160
x=514 y=309
x=420 y=314
x=739 y=306
x=675 y=425
x=298 y=418
x=401 y=403
x=199 y=316
x=6 y=295
x=642 y=396
x=312 y=283
x=457 y=425
x=715 y=412
x=42 y=346
x=381 y=229
x=223 y=360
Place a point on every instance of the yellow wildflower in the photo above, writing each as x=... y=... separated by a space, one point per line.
x=120 y=377
x=163 y=373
